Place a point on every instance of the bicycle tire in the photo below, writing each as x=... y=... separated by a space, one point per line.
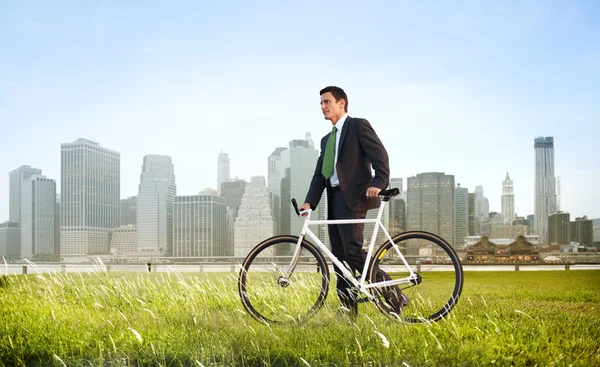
x=440 y=273
x=265 y=299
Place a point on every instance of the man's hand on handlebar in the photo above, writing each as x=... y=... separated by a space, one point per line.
x=373 y=192
x=304 y=207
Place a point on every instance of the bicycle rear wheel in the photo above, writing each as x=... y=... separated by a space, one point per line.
x=440 y=276
x=269 y=298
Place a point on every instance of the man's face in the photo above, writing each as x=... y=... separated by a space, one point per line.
x=332 y=110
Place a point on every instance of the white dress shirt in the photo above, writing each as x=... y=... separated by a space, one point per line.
x=334 y=180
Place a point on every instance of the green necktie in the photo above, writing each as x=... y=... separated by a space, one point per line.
x=329 y=157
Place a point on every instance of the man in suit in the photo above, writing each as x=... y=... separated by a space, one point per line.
x=344 y=169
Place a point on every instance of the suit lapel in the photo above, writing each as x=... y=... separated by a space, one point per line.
x=343 y=136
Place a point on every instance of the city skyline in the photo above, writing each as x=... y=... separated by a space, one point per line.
x=200 y=189
x=488 y=76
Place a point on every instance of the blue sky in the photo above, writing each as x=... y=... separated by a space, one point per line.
x=455 y=87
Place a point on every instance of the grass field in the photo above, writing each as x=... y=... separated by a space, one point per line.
x=543 y=318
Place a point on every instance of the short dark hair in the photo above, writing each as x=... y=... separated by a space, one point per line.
x=337 y=93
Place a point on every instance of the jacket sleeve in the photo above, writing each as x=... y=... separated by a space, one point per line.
x=376 y=154
x=318 y=182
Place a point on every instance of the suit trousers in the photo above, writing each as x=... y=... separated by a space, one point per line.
x=347 y=244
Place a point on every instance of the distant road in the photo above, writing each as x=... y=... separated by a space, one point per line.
x=189 y=268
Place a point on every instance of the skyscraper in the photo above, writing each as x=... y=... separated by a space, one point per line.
x=397 y=208
x=298 y=165
x=472 y=214
x=559 y=229
x=223 y=169
x=155 y=200
x=10 y=239
x=582 y=231
x=38 y=207
x=531 y=218
x=545 y=191
x=482 y=208
x=558 y=178
x=430 y=205
x=129 y=211
x=461 y=215
x=274 y=169
x=16 y=178
x=200 y=225
x=232 y=191
x=90 y=198
x=508 y=200
x=254 y=222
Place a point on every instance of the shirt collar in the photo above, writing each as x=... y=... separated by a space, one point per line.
x=340 y=124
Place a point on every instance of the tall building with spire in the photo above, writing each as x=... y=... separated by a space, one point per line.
x=223 y=170
x=155 y=205
x=90 y=198
x=545 y=181
x=508 y=201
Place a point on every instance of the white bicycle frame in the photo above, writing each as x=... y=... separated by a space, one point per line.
x=359 y=284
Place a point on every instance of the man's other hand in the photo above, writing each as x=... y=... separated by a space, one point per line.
x=373 y=192
x=304 y=206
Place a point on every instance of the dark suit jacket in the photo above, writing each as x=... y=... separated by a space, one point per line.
x=359 y=148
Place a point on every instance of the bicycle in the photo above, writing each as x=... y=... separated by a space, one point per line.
x=285 y=279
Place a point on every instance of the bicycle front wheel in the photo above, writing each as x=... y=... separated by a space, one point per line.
x=268 y=297
x=439 y=280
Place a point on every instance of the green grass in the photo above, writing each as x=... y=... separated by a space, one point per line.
x=168 y=319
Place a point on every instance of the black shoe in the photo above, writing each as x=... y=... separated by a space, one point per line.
x=395 y=299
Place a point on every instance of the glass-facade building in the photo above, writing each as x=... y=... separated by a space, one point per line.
x=38 y=220
x=200 y=226
x=16 y=178
x=461 y=215
x=155 y=201
x=430 y=204
x=545 y=190
x=90 y=198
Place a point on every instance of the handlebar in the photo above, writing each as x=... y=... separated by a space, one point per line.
x=384 y=195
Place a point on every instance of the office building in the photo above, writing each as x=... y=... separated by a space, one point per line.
x=430 y=205
x=298 y=166
x=254 y=222
x=461 y=215
x=123 y=241
x=559 y=229
x=582 y=231
x=274 y=169
x=16 y=178
x=10 y=240
x=472 y=215
x=90 y=199
x=545 y=191
x=38 y=222
x=155 y=201
x=129 y=211
x=223 y=169
x=521 y=221
x=508 y=200
x=200 y=226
